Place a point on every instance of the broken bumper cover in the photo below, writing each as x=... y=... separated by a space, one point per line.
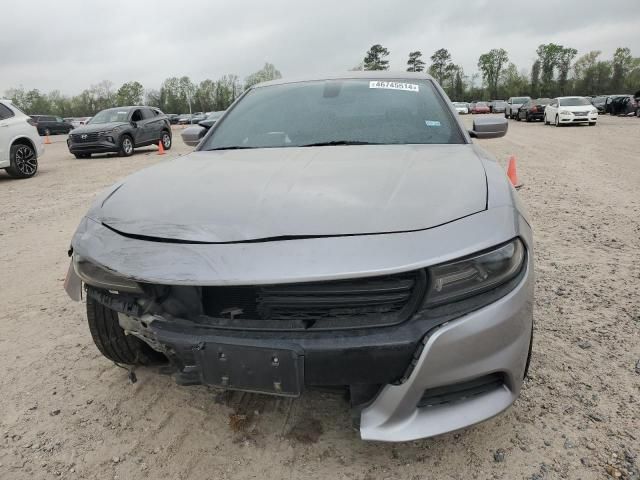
x=411 y=361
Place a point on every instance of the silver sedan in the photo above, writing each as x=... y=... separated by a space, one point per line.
x=337 y=231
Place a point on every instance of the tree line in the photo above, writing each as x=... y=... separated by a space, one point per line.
x=555 y=72
x=175 y=95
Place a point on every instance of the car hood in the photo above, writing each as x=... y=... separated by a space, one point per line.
x=98 y=127
x=285 y=193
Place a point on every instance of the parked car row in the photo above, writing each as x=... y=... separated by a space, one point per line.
x=557 y=111
x=191 y=118
x=479 y=106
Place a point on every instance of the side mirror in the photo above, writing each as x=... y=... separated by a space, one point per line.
x=133 y=124
x=192 y=135
x=489 y=127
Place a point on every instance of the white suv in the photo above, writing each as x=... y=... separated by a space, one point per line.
x=20 y=144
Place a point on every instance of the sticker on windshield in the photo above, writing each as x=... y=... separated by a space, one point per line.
x=432 y=123
x=408 y=87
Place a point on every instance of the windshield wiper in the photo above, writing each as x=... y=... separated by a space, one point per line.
x=338 y=142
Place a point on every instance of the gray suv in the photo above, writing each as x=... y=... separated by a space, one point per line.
x=120 y=130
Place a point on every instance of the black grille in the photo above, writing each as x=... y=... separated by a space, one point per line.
x=90 y=137
x=461 y=391
x=374 y=301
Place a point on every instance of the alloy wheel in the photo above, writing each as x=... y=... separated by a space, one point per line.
x=166 y=140
x=25 y=161
x=127 y=146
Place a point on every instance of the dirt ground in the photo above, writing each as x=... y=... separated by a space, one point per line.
x=67 y=412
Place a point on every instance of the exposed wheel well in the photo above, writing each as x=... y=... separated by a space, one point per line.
x=25 y=141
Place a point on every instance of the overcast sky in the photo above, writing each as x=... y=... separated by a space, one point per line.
x=71 y=44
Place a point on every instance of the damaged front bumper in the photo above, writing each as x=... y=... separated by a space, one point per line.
x=425 y=377
x=442 y=369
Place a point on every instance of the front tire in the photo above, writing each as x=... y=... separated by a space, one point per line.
x=82 y=155
x=166 y=140
x=111 y=340
x=557 y=121
x=23 y=161
x=592 y=124
x=126 y=146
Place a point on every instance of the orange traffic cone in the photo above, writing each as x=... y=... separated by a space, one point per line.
x=512 y=173
x=47 y=140
x=160 y=148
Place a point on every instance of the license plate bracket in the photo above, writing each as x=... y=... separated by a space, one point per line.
x=272 y=371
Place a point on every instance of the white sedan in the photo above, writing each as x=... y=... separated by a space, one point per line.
x=461 y=107
x=564 y=110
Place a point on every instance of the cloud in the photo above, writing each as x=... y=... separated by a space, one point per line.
x=73 y=44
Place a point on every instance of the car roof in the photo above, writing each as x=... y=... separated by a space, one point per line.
x=366 y=74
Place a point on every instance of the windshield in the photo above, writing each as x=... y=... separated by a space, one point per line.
x=500 y=103
x=481 y=104
x=520 y=99
x=108 y=116
x=337 y=112
x=574 y=102
x=542 y=101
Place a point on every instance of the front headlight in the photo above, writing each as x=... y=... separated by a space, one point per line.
x=99 y=277
x=469 y=276
x=565 y=112
x=593 y=112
